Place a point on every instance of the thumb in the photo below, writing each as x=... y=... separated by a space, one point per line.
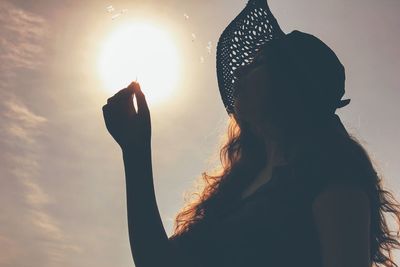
x=140 y=99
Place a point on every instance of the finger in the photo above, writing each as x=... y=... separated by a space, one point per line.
x=123 y=101
x=105 y=108
x=116 y=111
x=106 y=116
x=123 y=107
x=140 y=99
x=123 y=93
x=110 y=111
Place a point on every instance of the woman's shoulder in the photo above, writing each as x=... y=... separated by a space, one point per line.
x=336 y=162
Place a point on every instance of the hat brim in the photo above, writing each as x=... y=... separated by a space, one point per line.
x=343 y=103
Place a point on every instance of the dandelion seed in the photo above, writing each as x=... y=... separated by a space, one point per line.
x=115 y=16
x=186 y=16
x=110 y=9
x=208 y=47
x=193 y=37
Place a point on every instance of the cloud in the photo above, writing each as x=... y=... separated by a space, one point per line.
x=28 y=230
x=20 y=126
x=22 y=34
x=9 y=250
x=21 y=38
x=22 y=123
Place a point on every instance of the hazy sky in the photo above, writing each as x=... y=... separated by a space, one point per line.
x=62 y=182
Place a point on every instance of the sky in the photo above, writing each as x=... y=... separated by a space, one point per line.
x=62 y=187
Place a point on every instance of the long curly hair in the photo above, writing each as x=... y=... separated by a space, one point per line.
x=242 y=154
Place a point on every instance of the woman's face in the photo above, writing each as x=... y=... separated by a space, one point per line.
x=253 y=96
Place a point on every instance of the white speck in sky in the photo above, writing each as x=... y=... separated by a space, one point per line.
x=208 y=47
x=110 y=9
x=115 y=16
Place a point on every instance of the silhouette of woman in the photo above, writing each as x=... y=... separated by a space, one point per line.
x=294 y=187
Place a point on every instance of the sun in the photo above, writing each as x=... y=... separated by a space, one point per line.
x=142 y=51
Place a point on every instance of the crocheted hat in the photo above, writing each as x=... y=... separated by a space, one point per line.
x=253 y=29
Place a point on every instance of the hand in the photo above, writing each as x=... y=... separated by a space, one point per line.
x=131 y=129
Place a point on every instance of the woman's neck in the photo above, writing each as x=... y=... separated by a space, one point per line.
x=274 y=145
x=275 y=153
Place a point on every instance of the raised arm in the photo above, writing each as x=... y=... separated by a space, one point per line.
x=149 y=242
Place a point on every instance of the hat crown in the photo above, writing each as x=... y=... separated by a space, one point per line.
x=318 y=68
x=255 y=26
x=238 y=43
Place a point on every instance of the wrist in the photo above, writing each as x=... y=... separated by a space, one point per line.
x=137 y=154
x=136 y=148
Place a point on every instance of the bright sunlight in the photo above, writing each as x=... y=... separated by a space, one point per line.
x=142 y=51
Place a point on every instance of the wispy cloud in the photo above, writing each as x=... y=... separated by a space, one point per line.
x=28 y=229
x=21 y=170
x=23 y=124
x=9 y=250
x=22 y=34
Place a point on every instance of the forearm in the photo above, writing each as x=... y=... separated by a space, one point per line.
x=148 y=240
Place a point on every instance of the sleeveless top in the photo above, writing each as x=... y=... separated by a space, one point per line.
x=274 y=225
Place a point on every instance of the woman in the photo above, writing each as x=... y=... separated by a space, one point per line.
x=294 y=189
